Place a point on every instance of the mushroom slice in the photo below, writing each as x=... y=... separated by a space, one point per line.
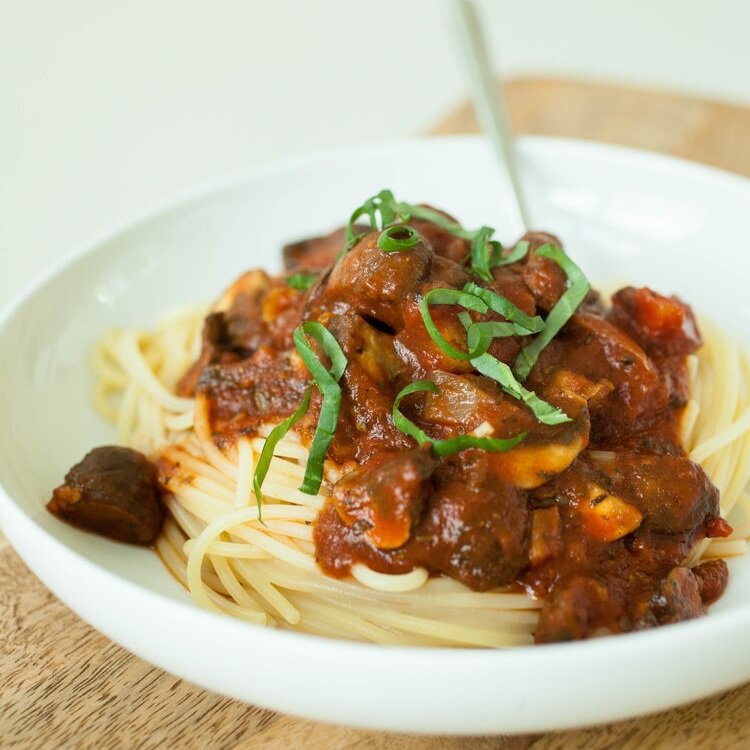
x=246 y=291
x=549 y=450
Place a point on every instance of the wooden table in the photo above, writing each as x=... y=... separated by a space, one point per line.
x=62 y=684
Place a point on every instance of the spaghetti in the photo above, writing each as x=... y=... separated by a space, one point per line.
x=265 y=572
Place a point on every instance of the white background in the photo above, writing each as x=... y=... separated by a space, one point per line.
x=108 y=106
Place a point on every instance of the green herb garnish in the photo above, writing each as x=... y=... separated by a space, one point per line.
x=481 y=334
x=483 y=250
x=519 y=252
x=407 y=211
x=380 y=205
x=558 y=315
x=450 y=445
x=498 y=371
x=524 y=324
x=397 y=238
x=383 y=210
x=276 y=434
x=493 y=368
x=301 y=280
x=326 y=380
x=480 y=300
x=449 y=297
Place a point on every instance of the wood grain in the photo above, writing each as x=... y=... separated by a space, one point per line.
x=714 y=133
x=63 y=685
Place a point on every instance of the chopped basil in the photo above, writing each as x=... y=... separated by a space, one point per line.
x=524 y=324
x=498 y=371
x=493 y=368
x=450 y=445
x=397 y=238
x=519 y=252
x=301 y=280
x=558 y=315
x=449 y=297
x=326 y=380
x=383 y=210
x=276 y=434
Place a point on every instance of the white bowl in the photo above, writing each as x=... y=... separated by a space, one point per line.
x=622 y=214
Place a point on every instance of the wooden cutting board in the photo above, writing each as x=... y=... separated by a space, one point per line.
x=63 y=685
x=714 y=133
